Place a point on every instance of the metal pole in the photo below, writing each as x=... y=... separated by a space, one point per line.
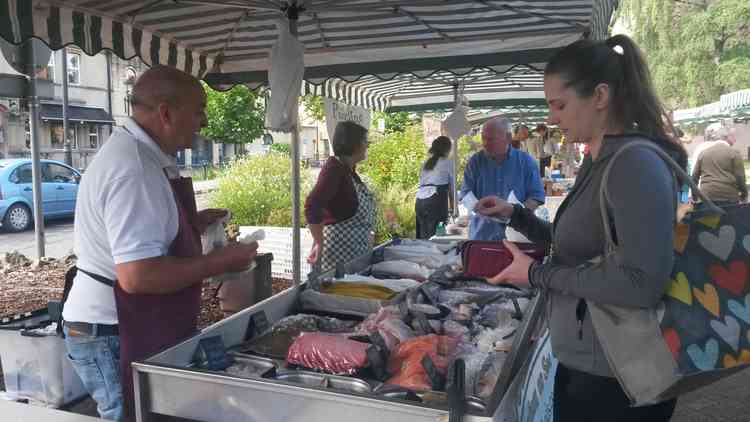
x=454 y=153
x=296 y=244
x=66 y=141
x=36 y=169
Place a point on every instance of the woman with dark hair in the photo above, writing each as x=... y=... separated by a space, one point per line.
x=435 y=187
x=340 y=210
x=600 y=93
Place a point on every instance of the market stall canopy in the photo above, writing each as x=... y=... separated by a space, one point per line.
x=736 y=104
x=493 y=44
x=532 y=114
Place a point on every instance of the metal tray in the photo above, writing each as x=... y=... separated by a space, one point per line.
x=332 y=382
x=245 y=366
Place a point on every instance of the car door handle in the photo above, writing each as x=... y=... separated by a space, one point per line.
x=60 y=188
x=27 y=189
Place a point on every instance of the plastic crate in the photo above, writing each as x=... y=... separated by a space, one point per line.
x=35 y=363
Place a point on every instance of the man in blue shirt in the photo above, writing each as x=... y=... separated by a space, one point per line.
x=497 y=170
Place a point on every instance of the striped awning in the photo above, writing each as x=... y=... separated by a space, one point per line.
x=398 y=41
x=735 y=100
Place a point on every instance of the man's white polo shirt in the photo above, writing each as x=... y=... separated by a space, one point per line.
x=125 y=212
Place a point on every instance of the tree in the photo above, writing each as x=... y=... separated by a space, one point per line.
x=314 y=106
x=397 y=122
x=235 y=116
x=696 y=49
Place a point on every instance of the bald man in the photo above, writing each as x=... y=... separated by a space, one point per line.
x=499 y=170
x=137 y=288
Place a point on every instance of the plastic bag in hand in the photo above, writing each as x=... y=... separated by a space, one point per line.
x=329 y=353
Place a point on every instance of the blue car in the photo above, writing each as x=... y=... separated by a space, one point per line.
x=59 y=191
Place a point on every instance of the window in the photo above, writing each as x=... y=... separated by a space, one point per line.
x=55 y=173
x=74 y=68
x=56 y=136
x=51 y=68
x=93 y=136
x=21 y=174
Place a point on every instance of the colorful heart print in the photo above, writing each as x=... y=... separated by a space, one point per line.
x=741 y=310
x=704 y=359
x=729 y=331
x=711 y=221
x=709 y=298
x=673 y=342
x=720 y=245
x=680 y=289
x=681 y=236
x=732 y=279
x=730 y=361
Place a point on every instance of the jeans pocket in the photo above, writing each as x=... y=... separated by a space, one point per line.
x=98 y=368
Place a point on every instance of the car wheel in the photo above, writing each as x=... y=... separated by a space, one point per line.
x=17 y=218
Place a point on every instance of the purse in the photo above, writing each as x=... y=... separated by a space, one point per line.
x=700 y=331
x=485 y=258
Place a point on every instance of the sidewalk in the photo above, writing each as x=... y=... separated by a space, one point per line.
x=724 y=401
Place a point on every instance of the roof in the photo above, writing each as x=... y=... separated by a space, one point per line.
x=53 y=112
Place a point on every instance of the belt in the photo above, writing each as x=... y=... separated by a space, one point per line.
x=95 y=330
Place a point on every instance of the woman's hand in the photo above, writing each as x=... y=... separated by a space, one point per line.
x=314 y=254
x=492 y=206
x=517 y=273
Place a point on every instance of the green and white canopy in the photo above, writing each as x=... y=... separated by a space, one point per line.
x=383 y=48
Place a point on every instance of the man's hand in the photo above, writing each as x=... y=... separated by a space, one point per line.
x=492 y=206
x=517 y=273
x=235 y=257
x=209 y=216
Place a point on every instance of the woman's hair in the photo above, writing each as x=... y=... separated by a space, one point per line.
x=441 y=147
x=619 y=63
x=542 y=130
x=347 y=137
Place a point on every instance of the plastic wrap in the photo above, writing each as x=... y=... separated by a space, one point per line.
x=401 y=269
x=312 y=301
x=405 y=362
x=416 y=255
x=397 y=329
x=329 y=353
x=500 y=338
x=306 y=322
x=486 y=378
x=395 y=284
x=457 y=297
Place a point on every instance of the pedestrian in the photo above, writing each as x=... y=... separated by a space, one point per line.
x=545 y=146
x=600 y=93
x=499 y=170
x=435 y=193
x=720 y=170
x=137 y=288
x=340 y=210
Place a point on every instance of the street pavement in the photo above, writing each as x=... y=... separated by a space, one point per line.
x=58 y=234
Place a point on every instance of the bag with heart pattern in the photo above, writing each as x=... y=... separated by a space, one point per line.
x=700 y=331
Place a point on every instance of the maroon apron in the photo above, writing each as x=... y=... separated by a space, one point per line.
x=150 y=322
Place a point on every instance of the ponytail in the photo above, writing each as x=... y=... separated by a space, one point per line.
x=619 y=63
x=440 y=148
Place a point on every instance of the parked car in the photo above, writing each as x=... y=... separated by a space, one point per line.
x=59 y=191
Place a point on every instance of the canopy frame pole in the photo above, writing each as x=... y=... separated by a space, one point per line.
x=292 y=14
x=36 y=168
x=66 y=142
x=454 y=153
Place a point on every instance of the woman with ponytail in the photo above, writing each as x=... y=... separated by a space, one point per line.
x=435 y=187
x=600 y=93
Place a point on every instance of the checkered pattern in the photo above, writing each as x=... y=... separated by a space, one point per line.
x=349 y=239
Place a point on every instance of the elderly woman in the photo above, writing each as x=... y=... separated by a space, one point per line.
x=340 y=210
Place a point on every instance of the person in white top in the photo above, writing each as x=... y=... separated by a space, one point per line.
x=135 y=236
x=434 y=196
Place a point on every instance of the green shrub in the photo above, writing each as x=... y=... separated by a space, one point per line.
x=257 y=189
x=396 y=159
x=395 y=215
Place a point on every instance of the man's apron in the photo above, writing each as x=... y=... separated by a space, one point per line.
x=150 y=322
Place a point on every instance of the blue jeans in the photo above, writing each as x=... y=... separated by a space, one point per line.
x=96 y=360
